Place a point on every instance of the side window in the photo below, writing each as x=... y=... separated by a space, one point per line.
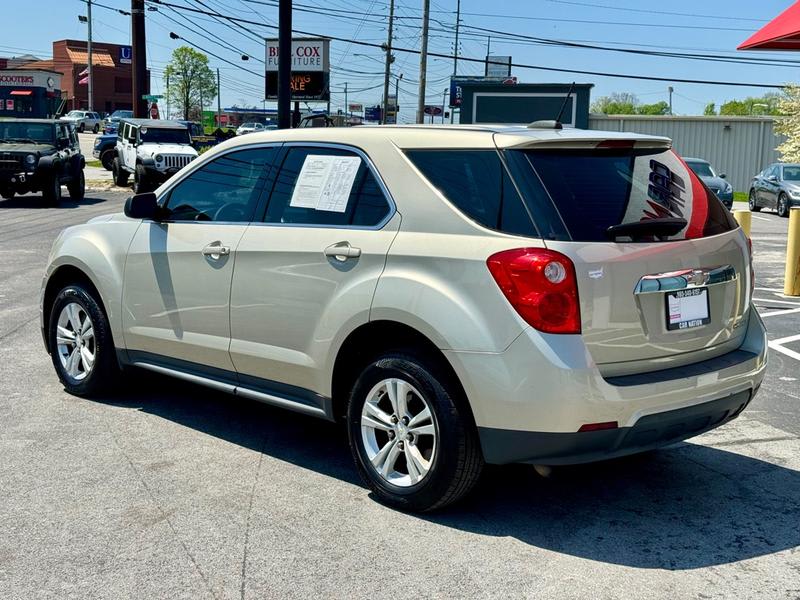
x=225 y=189
x=326 y=186
x=476 y=183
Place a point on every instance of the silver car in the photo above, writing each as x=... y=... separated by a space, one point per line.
x=777 y=187
x=85 y=119
x=455 y=295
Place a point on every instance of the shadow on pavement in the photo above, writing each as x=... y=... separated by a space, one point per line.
x=36 y=201
x=685 y=507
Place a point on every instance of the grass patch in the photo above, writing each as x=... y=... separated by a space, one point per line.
x=740 y=197
x=94 y=163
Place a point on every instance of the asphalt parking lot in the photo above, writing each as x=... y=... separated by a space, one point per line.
x=167 y=490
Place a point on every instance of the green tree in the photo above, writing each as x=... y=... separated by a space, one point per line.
x=789 y=105
x=191 y=81
x=618 y=103
x=658 y=108
x=768 y=104
x=710 y=109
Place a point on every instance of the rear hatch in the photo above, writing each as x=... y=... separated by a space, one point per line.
x=663 y=270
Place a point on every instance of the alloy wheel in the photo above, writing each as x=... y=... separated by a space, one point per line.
x=399 y=432
x=75 y=341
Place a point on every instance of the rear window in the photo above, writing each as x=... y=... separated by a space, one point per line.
x=595 y=189
x=476 y=182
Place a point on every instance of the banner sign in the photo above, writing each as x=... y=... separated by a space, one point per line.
x=353 y=107
x=125 y=55
x=310 y=69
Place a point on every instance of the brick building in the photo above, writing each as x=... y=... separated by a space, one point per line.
x=112 y=74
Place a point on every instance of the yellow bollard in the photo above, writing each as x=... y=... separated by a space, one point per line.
x=742 y=217
x=791 y=281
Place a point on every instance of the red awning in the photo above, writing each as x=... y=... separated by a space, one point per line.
x=21 y=92
x=782 y=33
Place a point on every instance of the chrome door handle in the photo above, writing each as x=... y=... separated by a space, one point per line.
x=215 y=250
x=342 y=251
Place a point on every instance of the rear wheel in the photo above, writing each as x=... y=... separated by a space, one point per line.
x=783 y=205
x=7 y=194
x=120 y=174
x=140 y=180
x=752 y=202
x=82 y=127
x=77 y=187
x=411 y=441
x=79 y=339
x=96 y=128
x=52 y=191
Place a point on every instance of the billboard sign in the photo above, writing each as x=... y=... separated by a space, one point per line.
x=498 y=66
x=433 y=110
x=372 y=113
x=310 y=69
x=353 y=107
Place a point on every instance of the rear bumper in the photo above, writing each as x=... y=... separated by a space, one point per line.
x=653 y=431
x=530 y=401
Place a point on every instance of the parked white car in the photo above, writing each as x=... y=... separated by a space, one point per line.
x=249 y=128
x=85 y=119
x=455 y=295
x=152 y=151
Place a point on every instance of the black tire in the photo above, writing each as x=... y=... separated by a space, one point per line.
x=82 y=128
x=120 y=174
x=52 y=190
x=77 y=187
x=105 y=368
x=96 y=128
x=140 y=180
x=457 y=463
x=7 y=194
x=752 y=202
x=107 y=158
x=783 y=205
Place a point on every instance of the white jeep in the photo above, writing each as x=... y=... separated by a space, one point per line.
x=152 y=151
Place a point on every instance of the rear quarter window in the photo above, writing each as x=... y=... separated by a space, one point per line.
x=477 y=184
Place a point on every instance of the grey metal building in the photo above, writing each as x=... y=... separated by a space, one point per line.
x=737 y=146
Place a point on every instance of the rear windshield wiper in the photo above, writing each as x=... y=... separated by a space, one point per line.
x=663 y=227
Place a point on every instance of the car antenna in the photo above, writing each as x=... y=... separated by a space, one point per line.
x=547 y=124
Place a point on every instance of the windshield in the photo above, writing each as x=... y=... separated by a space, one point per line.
x=593 y=190
x=791 y=173
x=703 y=169
x=122 y=114
x=248 y=125
x=74 y=113
x=152 y=135
x=15 y=131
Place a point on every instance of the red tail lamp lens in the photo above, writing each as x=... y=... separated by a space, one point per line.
x=541 y=286
x=598 y=426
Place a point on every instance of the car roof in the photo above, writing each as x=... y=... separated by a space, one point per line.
x=157 y=123
x=702 y=160
x=457 y=136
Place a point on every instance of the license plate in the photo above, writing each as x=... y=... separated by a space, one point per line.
x=687 y=309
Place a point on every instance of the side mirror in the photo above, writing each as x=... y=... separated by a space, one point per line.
x=142 y=206
x=723 y=176
x=772 y=178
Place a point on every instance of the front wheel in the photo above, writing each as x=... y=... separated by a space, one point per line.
x=82 y=128
x=96 y=128
x=107 y=160
x=140 y=182
x=52 y=191
x=752 y=203
x=412 y=441
x=783 y=205
x=79 y=339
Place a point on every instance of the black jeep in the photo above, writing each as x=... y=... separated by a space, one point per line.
x=39 y=155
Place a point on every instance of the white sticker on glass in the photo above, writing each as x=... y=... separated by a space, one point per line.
x=325 y=182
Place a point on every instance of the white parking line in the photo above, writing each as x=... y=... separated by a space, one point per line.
x=760 y=218
x=776 y=301
x=778 y=345
x=785 y=311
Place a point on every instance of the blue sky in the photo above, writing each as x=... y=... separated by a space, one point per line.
x=712 y=27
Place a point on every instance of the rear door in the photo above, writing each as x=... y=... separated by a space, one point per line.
x=308 y=271
x=648 y=299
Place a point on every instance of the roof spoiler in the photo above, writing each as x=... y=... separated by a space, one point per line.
x=546 y=124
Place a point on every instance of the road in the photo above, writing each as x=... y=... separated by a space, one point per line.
x=166 y=490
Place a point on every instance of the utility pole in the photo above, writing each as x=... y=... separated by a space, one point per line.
x=423 y=61
x=670 y=90
x=444 y=99
x=455 y=54
x=488 y=51
x=387 y=68
x=139 y=59
x=168 y=113
x=90 y=89
x=284 y=63
x=219 y=103
x=346 y=107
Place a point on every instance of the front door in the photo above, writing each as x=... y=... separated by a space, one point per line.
x=309 y=270
x=178 y=272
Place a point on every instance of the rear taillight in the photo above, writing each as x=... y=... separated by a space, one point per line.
x=752 y=270
x=541 y=286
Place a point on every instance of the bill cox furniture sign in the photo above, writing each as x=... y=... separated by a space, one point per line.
x=310 y=69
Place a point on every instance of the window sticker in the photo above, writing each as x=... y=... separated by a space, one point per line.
x=325 y=182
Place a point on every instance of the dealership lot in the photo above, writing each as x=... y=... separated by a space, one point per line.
x=167 y=489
